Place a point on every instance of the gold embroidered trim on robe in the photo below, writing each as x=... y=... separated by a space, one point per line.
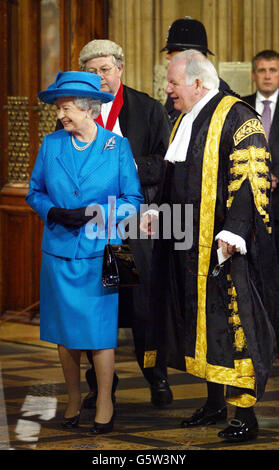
x=252 y=126
x=198 y=365
x=245 y=400
x=150 y=358
x=234 y=319
x=251 y=163
x=207 y=218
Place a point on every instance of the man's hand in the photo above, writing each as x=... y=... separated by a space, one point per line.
x=149 y=223
x=227 y=249
x=274 y=182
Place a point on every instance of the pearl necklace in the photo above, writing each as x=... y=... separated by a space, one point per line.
x=84 y=146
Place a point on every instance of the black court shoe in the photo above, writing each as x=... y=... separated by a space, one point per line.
x=70 y=423
x=102 y=428
x=204 y=417
x=239 y=431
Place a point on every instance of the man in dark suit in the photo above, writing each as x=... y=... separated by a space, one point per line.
x=265 y=74
x=144 y=121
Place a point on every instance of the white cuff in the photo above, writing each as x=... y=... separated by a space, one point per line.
x=151 y=212
x=233 y=239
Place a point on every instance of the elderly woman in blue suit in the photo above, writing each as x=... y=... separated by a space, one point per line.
x=79 y=170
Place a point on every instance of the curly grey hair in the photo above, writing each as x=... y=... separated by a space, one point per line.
x=90 y=104
x=101 y=48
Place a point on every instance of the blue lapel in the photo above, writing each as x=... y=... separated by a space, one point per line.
x=66 y=157
x=97 y=157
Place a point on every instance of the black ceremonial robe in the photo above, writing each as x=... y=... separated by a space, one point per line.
x=219 y=328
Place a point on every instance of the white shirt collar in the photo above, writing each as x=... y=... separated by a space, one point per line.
x=272 y=98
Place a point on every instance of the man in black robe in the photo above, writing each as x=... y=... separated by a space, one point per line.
x=219 y=327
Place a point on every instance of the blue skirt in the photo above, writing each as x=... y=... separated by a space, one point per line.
x=76 y=311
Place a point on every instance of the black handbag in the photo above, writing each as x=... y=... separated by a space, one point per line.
x=119 y=267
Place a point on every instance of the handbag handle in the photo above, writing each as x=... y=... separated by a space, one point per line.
x=110 y=223
x=110 y=220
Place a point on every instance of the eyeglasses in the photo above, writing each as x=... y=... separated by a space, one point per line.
x=103 y=71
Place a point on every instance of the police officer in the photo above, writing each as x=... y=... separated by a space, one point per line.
x=187 y=33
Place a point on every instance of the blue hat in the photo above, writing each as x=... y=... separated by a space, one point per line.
x=81 y=84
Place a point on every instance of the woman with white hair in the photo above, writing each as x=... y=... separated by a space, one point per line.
x=77 y=170
x=144 y=121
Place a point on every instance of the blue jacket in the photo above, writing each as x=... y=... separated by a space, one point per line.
x=111 y=172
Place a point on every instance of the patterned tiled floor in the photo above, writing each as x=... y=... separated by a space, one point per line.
x=33 y=398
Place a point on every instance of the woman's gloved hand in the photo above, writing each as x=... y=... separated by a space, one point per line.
x=69 y=218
